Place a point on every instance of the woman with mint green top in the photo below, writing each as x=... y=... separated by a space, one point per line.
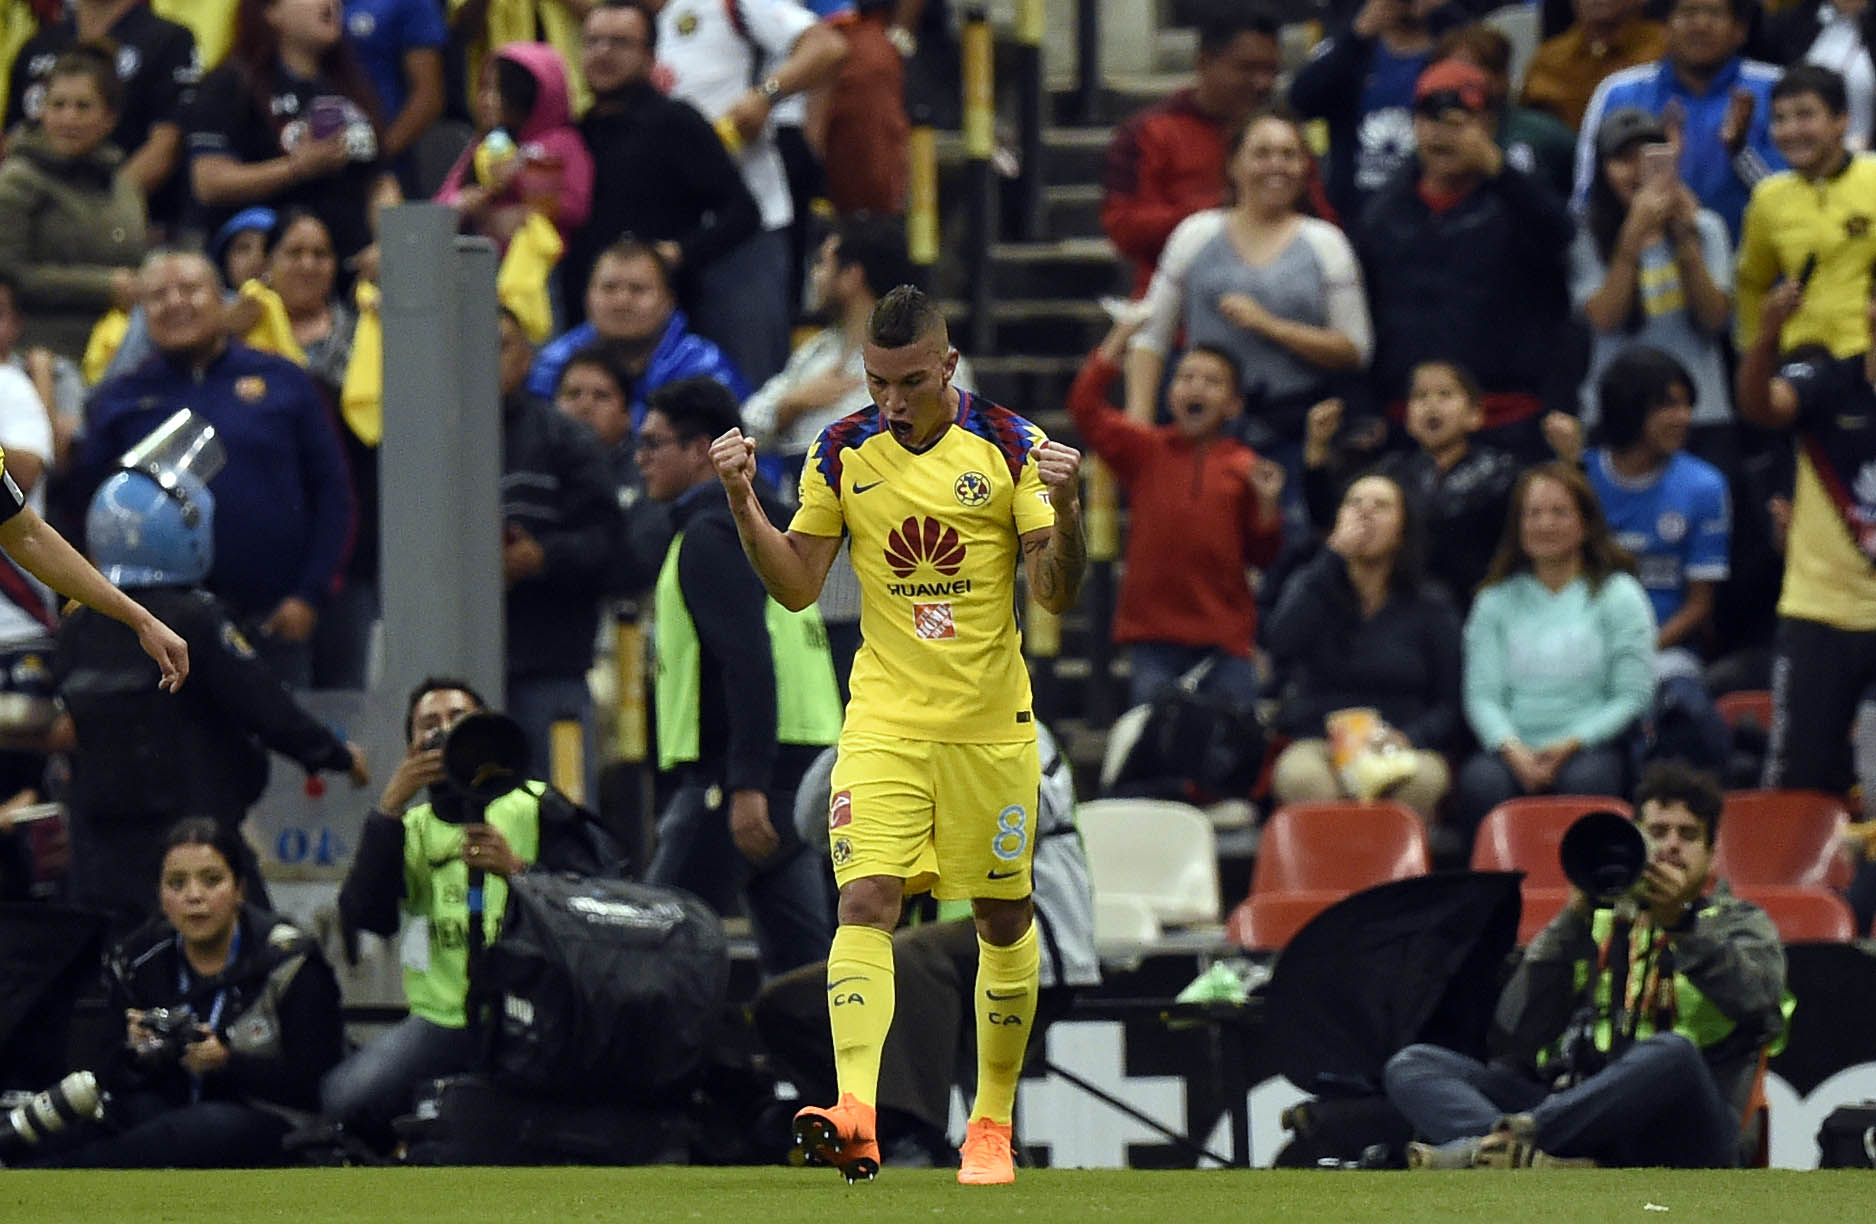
x=1559 y=652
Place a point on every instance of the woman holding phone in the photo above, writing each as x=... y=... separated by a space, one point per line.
x=1650 y=266
x=289 y=121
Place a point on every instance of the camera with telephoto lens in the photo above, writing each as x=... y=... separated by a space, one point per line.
x=44 y=1116
x=1605 y=855
x=171 y=1030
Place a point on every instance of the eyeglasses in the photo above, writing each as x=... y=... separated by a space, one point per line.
x=649 y=444
x=608 y=42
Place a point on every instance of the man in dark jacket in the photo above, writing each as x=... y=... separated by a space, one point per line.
x=660 y=173
x=145 y=759
x=1463 y=256
x=746 y=697
x=560 y=531
x=1660 y=1081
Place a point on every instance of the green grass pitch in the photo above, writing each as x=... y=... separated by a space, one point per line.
x=818 y=1196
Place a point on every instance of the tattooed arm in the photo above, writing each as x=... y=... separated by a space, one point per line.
x=1056 y=558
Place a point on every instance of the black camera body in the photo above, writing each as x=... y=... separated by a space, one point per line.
x=172 y=1030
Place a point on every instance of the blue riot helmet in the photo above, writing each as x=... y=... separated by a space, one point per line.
x=142 y=534
x=153 y=524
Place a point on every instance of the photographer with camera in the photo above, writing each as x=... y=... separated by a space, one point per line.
x=1631 y=1033
x=443 y=862
x=231 y=1016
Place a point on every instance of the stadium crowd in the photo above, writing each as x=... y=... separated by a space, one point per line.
x=1532 y=416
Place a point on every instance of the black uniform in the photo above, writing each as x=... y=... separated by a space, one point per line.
x=146 y=758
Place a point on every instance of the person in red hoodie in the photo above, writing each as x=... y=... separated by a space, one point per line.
x=1168 y=161
x=527 y=156
x=1205 y=508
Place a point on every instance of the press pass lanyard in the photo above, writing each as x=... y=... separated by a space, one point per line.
x=185 y=980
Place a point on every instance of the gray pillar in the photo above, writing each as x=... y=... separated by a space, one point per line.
x=440 y=461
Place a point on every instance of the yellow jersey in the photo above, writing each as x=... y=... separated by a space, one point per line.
x=1830 y=554
x=1788 y=221
x=934 y=543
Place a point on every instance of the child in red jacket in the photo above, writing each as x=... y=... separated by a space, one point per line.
x=1205 y=508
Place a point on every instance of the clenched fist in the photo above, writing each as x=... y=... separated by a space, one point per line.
x=735 y=460
x=1059 y=467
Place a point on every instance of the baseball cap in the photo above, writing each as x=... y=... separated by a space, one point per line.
x=1452 y=82
x=1625 y=126
x=256 y=218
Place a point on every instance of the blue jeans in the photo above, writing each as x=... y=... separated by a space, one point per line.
x=1157 y=666
x=742 y=304
x=1655 y=1105
x=380 y=1082
x=537 y=703
x=1485 y=781
x=788 y=895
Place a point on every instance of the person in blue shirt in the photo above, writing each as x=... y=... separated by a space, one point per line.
x=1361 y=80
x=399 y=44
x=1715 y=103
x=1671 y=512
x=1559 y=652
x=631 y=308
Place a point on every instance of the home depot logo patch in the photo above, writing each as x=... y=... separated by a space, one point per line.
x=933 y=621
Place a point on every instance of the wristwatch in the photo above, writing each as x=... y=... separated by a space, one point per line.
x=771 y=90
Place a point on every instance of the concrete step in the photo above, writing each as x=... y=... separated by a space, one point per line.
x=1072 y=210
x=1037 y=387
x=1175 y=49
x=1088 y=268
x=1032 y=326
x=1074 y=154
x=1120 y=95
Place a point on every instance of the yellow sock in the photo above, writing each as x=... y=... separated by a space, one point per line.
x=1005 y=1002
x=859 y=1005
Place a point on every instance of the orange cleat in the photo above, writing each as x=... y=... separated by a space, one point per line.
x=986 y=1159
x=843 y=1135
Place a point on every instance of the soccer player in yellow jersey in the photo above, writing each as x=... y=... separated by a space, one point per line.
x=936 y=785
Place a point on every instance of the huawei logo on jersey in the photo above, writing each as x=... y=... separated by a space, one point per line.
x=929 y=540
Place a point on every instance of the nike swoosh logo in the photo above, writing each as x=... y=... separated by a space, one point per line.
x=861 y=488
x=858 y=977
x=1007 y=995
x=1004 y=875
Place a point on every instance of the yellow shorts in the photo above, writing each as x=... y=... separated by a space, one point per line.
x=958 y=820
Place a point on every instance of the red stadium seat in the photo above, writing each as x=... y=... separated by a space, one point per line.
x=1781 y=837
x=1311 y=855
x=1755 y=704
x=1804 y=915
x=1523 y=835
x=1540 y=906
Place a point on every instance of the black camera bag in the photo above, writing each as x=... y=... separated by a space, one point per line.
x=1847 y=1139
x=601 y=989
x=466 y=1120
